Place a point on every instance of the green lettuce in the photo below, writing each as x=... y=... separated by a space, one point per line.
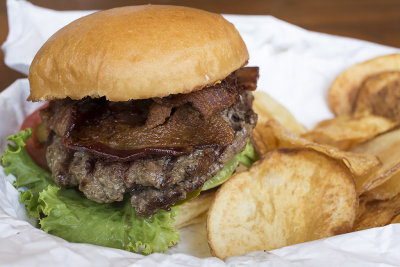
x=17 y=161
x=247 y=157
x=77 y=219
x=68 y=214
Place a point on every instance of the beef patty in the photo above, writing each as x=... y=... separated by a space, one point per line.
x=154 y=182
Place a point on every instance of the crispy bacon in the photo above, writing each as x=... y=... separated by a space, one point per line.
x=213 y=99
x=157 y=115
x=246 y=78
x=59 y=116
x=207 y=101
x=174 y=125
x=183 y=131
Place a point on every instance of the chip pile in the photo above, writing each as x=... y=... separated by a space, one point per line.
x=342 y=176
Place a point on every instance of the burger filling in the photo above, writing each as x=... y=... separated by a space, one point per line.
x=155 y=150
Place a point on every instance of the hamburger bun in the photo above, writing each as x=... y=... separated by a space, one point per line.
x=136 y=52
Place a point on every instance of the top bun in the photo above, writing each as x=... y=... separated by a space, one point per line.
x=136 y=52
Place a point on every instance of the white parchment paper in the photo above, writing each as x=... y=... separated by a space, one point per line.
x=297 y=67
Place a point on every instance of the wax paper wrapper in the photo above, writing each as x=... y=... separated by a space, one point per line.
x=296 y=68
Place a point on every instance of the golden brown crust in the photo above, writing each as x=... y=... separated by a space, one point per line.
x=136 y=52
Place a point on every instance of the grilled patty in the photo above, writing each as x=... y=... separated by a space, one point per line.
x=156 y=181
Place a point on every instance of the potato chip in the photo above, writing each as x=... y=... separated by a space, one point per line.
x=288 y=197
x=396 y=219
x=263 y=139
x=387 y=190
x=193 y=211
x=344 y=90
x=378 y=213
x=268 y=108
x=272 y=135
x=346 y=131
x=380 y=95
x=361 y=205
x=387 y=148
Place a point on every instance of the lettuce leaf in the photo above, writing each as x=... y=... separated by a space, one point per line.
x=69 y=215
x=17 y=161
x=75 y=218
x=247 y=157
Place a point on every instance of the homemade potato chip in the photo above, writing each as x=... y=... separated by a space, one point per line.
x=346 y=131
x=380 y=95
x=387 y=148
x=377 y=213
x=252 y=211
x=288 y=197
x=361 y=205
x=272 y=135
x=387 y=190
x=263 y=139
x=344 y=90
x=268 y=108
x=396 y=219
x=194 y=210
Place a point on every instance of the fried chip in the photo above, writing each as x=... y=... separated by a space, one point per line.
x=346 y=131
x=288 y=197
x=272 y=135
x=268 y=108
x=396 y=219
x=263 y=138
x=194 y=210
x=344 y=90
x=377 y=213
x=386 y=190
x=380 y=95
x=387 y=148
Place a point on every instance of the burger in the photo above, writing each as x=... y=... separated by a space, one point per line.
x=149 y=108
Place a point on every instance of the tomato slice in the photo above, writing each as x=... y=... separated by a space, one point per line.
x=35 y=149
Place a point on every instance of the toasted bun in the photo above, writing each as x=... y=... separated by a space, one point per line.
x=136 y=52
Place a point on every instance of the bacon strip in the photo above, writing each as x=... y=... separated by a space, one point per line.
x=157 y=115
x=183 y=131
x=207 y=101
x=60 y=116
x=213 y=99
x=174 y=125
x=247 y=78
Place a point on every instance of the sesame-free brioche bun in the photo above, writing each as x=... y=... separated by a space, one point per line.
x=136 y=52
